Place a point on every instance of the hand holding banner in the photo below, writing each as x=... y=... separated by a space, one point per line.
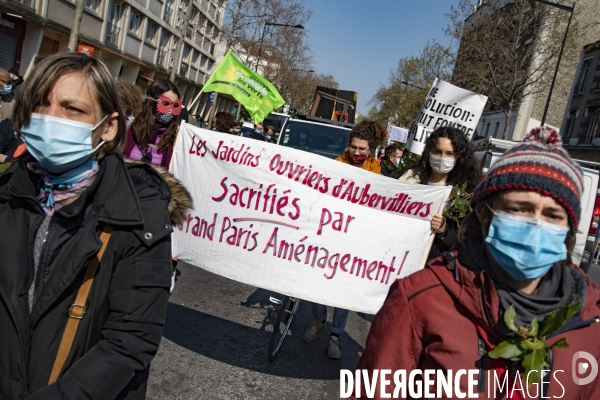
x=298 y=223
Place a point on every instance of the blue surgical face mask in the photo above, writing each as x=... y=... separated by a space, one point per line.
x=59 y=144
x=6 y=90
x=236 y=130
x=525 y=248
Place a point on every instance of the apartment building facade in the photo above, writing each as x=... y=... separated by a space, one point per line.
x=137 y=38
x=584 y=29
x=581 y=127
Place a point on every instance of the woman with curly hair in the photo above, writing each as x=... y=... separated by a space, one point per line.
x=362 y=141
x=224 y=122
x=131 y=96
x=447 y=159
x=152 y=135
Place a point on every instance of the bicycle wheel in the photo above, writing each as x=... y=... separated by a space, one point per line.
x=289 y=307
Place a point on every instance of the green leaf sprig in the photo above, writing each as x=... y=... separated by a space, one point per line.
x=529 y=347
x=458 y=206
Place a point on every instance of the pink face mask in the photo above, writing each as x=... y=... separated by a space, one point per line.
x=357 y=159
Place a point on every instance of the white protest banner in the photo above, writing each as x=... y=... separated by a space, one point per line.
x=446 y=105
x=298 y=223
x=397 y=134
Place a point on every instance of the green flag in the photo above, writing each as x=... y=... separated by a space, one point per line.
x=253 y=91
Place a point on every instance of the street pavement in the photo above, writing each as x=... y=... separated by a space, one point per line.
x=216 y=338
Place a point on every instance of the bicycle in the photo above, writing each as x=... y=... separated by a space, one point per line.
x=287 y=310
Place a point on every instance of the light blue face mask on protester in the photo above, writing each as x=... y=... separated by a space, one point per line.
x=6 y=90
x=59 y=144
x=526 y=248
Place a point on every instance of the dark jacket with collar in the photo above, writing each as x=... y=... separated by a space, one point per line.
x=126 y=308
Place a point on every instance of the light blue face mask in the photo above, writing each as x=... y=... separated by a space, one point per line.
x=6 y=90
x=59 y=144
x=525 y=248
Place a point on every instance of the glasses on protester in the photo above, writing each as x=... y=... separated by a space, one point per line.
x=363 y=151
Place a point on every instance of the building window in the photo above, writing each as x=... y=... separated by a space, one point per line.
x=487 y=129
x=168 y=13
x=151 y=33
x=92 y=5
x=193 y=15
x=112 y=29
x=135 y=22
x=496 y=129
x=115 y=11
x=195 y=56
x=186 y=53
x=569 y=124
x=592 y=127
x=585 y=70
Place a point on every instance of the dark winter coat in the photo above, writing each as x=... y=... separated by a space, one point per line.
x=126 y=308
x=428 y=322
x=391 y=170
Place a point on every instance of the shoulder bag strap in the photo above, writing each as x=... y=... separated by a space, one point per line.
x=77 y=310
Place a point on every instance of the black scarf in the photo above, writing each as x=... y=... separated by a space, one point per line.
x=561 y=286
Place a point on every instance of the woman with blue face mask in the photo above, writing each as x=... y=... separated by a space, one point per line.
x=514 y=258
x=86 y=250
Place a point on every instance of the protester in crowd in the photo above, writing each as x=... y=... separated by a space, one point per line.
x=184 y=115
x=237 y=128
x=259 y=134
x=7 y=94
x=7 y=138
x=270 y=134
x=223 y=121
x=363 y=139
x=447 y=159
x=60 y=201
x=381 y=155
x=131 y=97
x=392 y=164
x=515 y=255
x=199 y=120
x=152 y=135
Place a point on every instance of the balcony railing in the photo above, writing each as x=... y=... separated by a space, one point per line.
x=30 y=4
x=112 y=34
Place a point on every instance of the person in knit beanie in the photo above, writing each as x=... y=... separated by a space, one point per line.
x=507 y=281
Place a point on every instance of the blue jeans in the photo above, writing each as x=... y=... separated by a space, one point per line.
x=340 y=317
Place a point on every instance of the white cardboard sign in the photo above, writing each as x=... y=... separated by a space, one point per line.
x=397 y=133
x=298 y=223
x=446 y=105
